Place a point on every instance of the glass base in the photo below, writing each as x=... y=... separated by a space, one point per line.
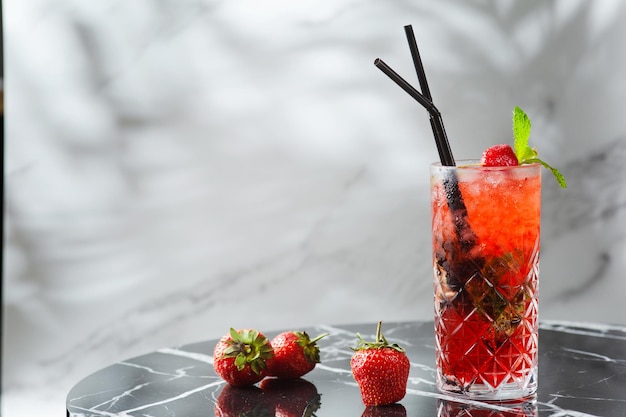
x=518 y=390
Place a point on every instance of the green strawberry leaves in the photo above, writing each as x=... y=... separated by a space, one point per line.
x=248 y=346
x=381 y=342
x=525 y=154
x=309 y=346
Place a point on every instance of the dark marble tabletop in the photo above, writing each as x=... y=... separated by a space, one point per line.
x=582 y=372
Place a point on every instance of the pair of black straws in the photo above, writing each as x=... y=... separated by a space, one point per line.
x=424 y=98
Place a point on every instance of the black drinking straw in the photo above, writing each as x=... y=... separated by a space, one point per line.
x=443 y=147
x=436 y=123
x=467 y=238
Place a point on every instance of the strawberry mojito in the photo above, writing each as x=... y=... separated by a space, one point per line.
x=486 y=279
x=485 y=224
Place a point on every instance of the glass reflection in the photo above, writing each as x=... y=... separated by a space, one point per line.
x=526 y=408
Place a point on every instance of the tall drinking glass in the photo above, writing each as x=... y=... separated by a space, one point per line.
x=485 y=231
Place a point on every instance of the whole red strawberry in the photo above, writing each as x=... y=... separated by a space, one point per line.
x=295 y=354
x=381 y=370
x=499 y=156
x=242 y=357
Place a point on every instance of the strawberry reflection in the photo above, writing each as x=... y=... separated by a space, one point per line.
x=491 y=409
x=391 y=410
x=243 y=402
x=292 y=397
x=275 y=397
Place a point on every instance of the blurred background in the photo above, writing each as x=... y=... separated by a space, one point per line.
x=177 y=167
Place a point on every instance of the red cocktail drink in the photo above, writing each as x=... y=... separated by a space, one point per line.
x=485 y=223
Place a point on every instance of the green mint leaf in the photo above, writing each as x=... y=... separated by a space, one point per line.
x=524 y=153
x=557 y=174
x=521 y=133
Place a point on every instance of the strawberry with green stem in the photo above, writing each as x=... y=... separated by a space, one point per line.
x=242 y=357
x=295 y=354
x=380 y=369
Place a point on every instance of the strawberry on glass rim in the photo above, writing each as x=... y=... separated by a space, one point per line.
x=521 y=153
x=499 y=156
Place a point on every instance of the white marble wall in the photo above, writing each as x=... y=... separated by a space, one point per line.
x=174 y=168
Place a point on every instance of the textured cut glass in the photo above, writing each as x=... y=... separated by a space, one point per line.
x=485 y=282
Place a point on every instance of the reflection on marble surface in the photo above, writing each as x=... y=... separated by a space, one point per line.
x=200 y=164
x=582 y=373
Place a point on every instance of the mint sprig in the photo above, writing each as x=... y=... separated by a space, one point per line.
x=524 y=153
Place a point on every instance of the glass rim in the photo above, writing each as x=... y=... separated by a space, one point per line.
x=474 y=164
